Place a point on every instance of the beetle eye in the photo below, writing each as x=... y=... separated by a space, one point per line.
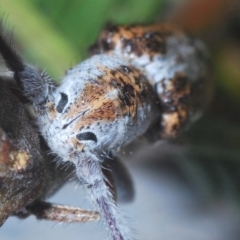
x=87 y=136
x=62 y=103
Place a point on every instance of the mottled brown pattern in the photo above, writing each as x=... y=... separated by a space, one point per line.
x=136 y=39
x=132 y=89
x=91 y=96
x=131 y=86
x=176 y=105
x=182 y=97
x=106 y=112
x=173 y=123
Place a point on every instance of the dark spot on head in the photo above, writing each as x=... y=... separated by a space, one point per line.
x=62 y=103
x=137 y=80
x=174 y=127
x=87 y=136
x=129 y=90
x=121 y=81
x=184 y=99
x=106 y=45
x=143 y=95
x=113 y=72
x=180 y=83
x=156 y=46
x=180 y=117
x=112 y=28
x=148 y=34
x=129 y=46
x=127 y=94
x=168 y=104
x=125 y=69
x=169 y=108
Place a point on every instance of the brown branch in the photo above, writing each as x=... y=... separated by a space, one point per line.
x=21 y=161
x=27 y=174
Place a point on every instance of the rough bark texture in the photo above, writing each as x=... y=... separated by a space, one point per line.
x=21 y=163
x=27 y=174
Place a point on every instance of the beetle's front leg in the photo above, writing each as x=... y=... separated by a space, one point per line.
x=58 y=213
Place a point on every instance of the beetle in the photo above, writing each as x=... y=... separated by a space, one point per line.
x=150 y=80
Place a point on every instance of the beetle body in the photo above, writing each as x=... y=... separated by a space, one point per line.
x=139 y=79
x=102 y=104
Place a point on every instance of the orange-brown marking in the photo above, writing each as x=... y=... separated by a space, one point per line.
x=106 y=112
x=94 y=96
x=179 y=102
x=50 y=106
x=76 y=144
x=173 y=123
x=139 y=39
x=176 y=102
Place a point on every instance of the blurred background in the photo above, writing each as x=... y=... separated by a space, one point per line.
x=186 y=189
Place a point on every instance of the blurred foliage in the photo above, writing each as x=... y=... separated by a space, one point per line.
x=57 y=33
